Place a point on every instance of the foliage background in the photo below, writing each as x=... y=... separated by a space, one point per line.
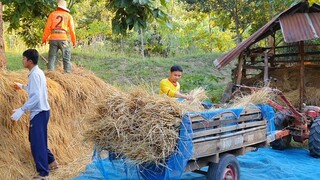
x=134 y=49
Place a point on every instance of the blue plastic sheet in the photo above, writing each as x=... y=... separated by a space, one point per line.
x=266 y=163
x=291 y=164
x=176 y=163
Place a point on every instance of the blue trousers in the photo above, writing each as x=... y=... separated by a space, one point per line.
x=38 y=138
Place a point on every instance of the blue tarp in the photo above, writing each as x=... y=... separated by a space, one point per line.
x=264 y=164
x=176 y=163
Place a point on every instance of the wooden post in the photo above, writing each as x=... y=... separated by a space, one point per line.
x=3 y=59
x=265 y=73
x=240 y=68
x=272 y=44
x=302 y=91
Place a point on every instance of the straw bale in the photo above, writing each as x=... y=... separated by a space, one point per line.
x=71 y=97
x=137 y=125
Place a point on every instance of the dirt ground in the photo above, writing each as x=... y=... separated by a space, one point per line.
x=287 y=79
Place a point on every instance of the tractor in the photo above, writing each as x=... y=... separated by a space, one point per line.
x=291 y=123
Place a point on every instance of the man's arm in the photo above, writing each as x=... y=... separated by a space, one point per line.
x=165 y=88
x=71 y=30
x=34 y=95
x=47 y=29
x=181 y=95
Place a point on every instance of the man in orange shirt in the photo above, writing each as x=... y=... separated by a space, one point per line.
x=170 y=86
x=59 y=25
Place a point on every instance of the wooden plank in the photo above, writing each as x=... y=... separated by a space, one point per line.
x=265 y=72
x=241 y=62
x=227 y=114
x=196 y=118
x=229 y=134
x=255 y=136
x=201 y=162
x=302 y=91
x=250 y=110
x=228 y=128
x=211 y=124
x=208 y=148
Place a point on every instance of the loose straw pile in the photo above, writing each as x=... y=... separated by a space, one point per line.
x=71 y=96
x=137 y=125
x=261 y=96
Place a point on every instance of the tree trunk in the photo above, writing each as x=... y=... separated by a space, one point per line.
x=3 y=61
x=142 y=42
x=236 y=20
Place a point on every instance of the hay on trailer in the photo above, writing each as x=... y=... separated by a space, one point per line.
x=137 y=125
x=71 y=96
x=261 y=96
x=195 y=105
x=140 y=126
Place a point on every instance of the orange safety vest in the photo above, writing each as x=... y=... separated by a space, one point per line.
x=59 y=25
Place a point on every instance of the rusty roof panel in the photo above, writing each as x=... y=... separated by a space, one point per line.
x=315 y=19
x=226 y=58
x=299 y=27
x=273 y=26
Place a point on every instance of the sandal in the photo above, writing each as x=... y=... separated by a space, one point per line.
x=40 y=178
x=53 y=165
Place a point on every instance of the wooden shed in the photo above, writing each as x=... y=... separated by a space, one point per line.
x=288 y=40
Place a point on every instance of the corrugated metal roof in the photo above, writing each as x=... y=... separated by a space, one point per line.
x=273 y=26
x=300 y=27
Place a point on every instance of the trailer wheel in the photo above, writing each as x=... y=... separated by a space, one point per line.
x=228 y=168
x=284 y=142
x=314 y=139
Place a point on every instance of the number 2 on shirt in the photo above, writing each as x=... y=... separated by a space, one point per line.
x=58 y=25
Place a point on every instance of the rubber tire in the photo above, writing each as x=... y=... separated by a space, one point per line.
x=216 y=171
x=284 y=142
x=314 y=139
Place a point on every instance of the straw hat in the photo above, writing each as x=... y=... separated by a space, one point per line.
x=63 y=5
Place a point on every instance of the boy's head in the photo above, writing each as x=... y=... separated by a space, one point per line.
x=175 y=73
x=30 y=58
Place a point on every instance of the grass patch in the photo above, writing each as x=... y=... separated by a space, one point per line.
x=124 y=72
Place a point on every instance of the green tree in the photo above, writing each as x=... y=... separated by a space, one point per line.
x=241 y=16
x=24 y=16
x=136 y=14
x=27 y=18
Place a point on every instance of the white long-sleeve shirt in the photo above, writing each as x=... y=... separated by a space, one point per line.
x=37 y=92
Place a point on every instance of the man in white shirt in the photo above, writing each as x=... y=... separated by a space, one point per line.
x=39 y=109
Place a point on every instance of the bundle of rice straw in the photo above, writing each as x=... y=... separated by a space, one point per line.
x=261 y=96
x=138 y=126
x=195 y=105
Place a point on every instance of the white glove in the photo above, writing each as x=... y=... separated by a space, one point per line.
x=17 y=114
x=19 y=85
